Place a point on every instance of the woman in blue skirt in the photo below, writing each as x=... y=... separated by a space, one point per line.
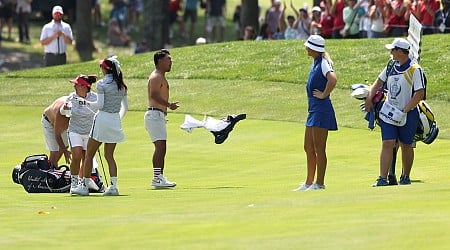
x=321 y=116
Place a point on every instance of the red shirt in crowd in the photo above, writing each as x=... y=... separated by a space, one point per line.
x=338 y=20
x=425 y=17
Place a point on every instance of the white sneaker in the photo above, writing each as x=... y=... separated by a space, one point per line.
x=80 y=190
x=91 y=184
x=316 y=186
x=161 y=182
x=111 y=191
x=302 y=187
x=73 y=184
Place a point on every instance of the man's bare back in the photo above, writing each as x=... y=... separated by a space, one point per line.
x=55 y=117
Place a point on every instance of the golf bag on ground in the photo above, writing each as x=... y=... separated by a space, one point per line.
x=37 y=175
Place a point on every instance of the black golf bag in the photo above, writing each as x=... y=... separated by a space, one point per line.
x=37 y=175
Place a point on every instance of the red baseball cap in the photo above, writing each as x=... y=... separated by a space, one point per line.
x=81 y=80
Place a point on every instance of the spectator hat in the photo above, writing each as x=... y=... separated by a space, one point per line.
x=316 y=43
x=57 y=9
x=316 y=8
x=277 y=2
x=200 y=40
x=398 y=43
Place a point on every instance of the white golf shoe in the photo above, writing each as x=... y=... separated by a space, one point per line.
x=302 y=187
x=91 y=184
x=161 y=182
x=316 y=186
x=111 y=191
x=80 y=190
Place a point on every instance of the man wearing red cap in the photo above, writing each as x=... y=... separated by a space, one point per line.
x=55 y=37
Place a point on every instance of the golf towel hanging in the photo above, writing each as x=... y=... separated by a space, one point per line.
x=392 y=115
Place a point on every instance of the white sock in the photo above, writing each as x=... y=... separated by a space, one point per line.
x=156 y=172
x=114 y=181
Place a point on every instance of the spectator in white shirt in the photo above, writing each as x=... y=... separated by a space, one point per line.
x=55 y=37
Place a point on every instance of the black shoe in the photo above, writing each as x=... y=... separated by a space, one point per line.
x=392 y=180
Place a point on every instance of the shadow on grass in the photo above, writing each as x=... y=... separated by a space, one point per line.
x=222 y=187
x=192 y=188
x=13 y=59
x=99 y=195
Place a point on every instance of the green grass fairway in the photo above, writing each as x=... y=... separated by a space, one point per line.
x=231 y=196
x=236 y=195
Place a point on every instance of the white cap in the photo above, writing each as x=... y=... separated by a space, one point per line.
x=316 y=43
x=58 y=9
x=398 y=43
x=277 y=2
x=200 y=40
x=316 y=8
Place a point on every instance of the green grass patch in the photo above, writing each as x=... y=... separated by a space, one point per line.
x=236 y=195
x=230 y=196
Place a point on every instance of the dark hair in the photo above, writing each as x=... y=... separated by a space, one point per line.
x=91 y=79
x=117 y=76
x=160 y=54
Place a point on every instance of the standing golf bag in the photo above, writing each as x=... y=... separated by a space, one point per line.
x=37 y=175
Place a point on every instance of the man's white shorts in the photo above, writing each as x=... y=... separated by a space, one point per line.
x=155 y=123
x=49 y=133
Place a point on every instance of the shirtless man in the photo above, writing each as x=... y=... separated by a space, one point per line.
x=55 y=130
x=155 y=117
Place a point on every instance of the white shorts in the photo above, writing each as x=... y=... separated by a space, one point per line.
x=155 y=123
x=77 y=140
x=107 y=128
x=49 y=133
x=214 y=21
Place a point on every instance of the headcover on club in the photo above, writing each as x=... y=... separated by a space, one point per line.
x=222 y=135
x=360 y=91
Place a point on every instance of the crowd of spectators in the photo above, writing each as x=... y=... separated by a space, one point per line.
x=354 y=19
x=282 y=20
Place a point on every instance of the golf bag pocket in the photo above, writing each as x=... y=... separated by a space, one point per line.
x=392 y=115
x=39 y=161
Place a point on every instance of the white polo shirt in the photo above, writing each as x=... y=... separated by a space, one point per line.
x=56 y=46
